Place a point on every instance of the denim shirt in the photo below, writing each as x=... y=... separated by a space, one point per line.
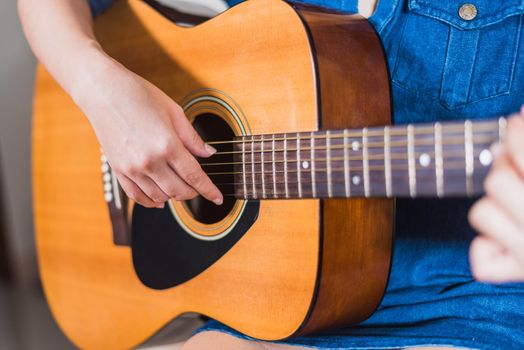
x=442 y=67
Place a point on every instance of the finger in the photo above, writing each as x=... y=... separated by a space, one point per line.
x=506 y=188
x=191 y=172
x=189 y=137
x=134 y=192
x=151 y=189
x=490 y=262
x=489 y=219
x=171 y=184
x=515 y=143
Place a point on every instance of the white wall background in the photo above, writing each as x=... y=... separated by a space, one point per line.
x=17 y=67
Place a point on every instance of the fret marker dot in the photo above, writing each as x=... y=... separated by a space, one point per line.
x=424 y=160
x=305 y=164
x=356 y=180
x=355 y=145
x=485 y=157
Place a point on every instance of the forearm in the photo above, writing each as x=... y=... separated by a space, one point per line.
x=60 y=32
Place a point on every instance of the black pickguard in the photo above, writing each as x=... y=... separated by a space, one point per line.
x=164 y=255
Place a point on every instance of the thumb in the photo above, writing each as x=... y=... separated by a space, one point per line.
x=189 y=137
x=490 y=262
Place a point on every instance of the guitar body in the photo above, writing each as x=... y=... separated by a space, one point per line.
x=301 y=265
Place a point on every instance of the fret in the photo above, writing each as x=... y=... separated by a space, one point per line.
x=356 y=166
x=424 y=163
x=299 y=165
x=411 y=162
x=253 y=167
x=387 y=160
x=262 y=175
x=365 y=161
x=312 y=156
x=347 y=184
x=286 y=189
x=244 y=181
x=273 y=166
x=439 y=161
x=502 y=128
x=469 y=160
x=328 y=165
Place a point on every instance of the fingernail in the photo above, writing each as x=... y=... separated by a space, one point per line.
x=161 y=206
x=218 y=201
x=210 y=149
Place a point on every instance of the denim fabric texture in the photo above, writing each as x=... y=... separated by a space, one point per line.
x=442 y=68
x=99 y=6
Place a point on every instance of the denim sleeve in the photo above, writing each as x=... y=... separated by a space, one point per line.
x=233 y=2
x=340 y=5
x=98 y=6
x=350 y=6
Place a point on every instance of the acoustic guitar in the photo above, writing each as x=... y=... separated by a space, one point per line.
x=296 y=99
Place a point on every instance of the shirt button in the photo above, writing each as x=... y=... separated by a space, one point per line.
x=468 y=12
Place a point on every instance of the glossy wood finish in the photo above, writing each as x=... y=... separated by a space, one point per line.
x=274 y=282
x=356 y=232
x=89 y=282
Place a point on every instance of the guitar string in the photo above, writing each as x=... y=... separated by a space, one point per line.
x=337 y=181
x=394 y=155
x=340 y=181
x=479 y=126
x=423 y=142
x=359 y=190
x=397 y=156
x=448 y=166
x=420 y=130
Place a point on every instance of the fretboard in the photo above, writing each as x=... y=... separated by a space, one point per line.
x=415 y=160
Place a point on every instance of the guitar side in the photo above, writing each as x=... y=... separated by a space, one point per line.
x=274 y=282
x=356 y=234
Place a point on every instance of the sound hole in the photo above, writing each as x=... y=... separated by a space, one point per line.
x=213 y=128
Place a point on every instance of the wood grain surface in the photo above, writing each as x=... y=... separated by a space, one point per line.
x=90 y=283
x=258 y=54
x=357 y=233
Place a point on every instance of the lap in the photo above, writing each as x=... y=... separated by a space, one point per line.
x=218 y=340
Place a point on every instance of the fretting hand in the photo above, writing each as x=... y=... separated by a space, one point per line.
x=497 y=255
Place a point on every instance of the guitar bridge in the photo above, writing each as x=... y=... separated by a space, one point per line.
x=117 y=204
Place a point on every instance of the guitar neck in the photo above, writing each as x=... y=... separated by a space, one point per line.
x=441 y=159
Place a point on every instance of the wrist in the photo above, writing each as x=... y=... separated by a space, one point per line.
x=91 y=65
